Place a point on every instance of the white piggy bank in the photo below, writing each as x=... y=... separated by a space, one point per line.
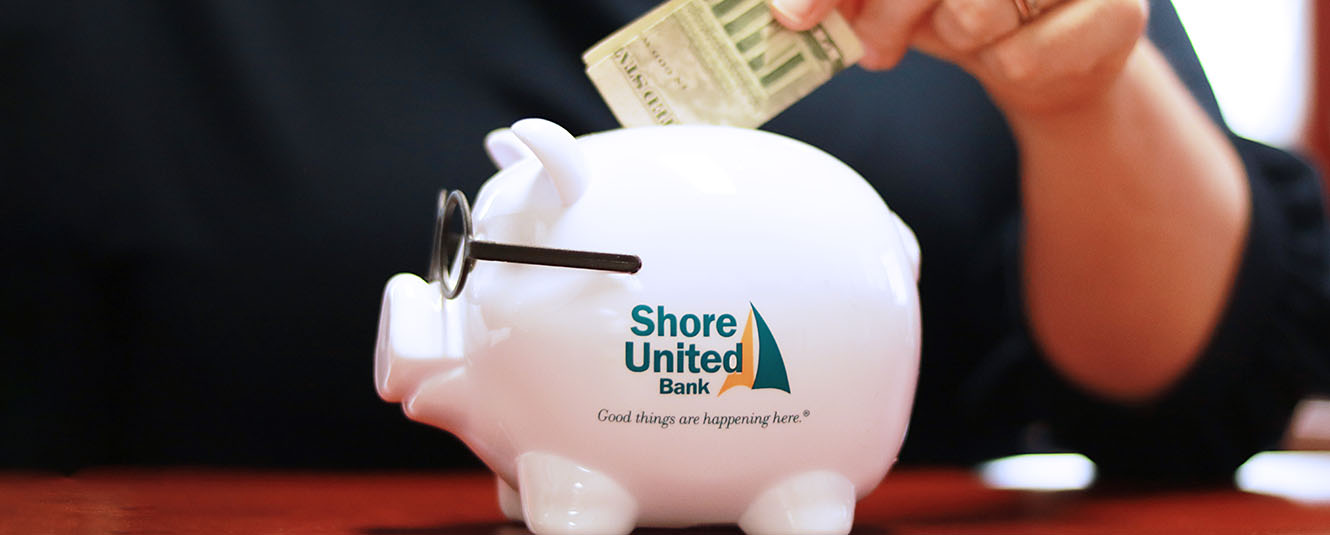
x=759 y=368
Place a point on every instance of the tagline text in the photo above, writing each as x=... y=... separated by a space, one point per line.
x=719 y=421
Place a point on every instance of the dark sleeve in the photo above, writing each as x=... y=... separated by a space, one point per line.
x=1270 y=349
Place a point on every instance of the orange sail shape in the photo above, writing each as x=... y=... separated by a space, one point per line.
x=743 y=377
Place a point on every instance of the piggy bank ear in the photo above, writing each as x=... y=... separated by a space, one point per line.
x=558 y=152
x=909 y=243
x=505 y=149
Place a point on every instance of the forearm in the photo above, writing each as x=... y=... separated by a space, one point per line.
x=1136 y=210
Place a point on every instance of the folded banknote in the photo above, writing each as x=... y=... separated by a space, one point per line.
x=722 y=62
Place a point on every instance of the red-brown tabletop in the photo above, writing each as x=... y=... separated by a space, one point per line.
x=909 y=501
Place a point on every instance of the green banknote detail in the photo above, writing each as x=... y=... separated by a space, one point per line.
x=724 y=62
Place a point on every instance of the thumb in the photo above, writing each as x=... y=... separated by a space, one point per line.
x=801 y=14
x=926 y=40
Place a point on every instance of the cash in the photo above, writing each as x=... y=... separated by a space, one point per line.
x=724 y=62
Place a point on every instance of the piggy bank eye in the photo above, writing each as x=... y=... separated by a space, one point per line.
x=455 y=252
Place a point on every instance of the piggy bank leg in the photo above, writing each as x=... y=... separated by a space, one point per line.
x=560 y=496
x=509 y=501
x=813 y=502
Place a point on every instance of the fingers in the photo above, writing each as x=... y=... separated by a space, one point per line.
x=968 y=25
x=1063 y=55
x=885 y=27
x=801 y=14
x=1074 y=40
x=987 y=37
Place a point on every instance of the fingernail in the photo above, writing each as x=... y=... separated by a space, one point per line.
x=794 y=11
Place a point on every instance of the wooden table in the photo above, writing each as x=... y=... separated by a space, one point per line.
x=909 y=501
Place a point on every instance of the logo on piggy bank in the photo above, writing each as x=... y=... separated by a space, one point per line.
x=768 y=371
x=662 y=327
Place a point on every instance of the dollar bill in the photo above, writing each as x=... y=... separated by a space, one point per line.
x=722 y=62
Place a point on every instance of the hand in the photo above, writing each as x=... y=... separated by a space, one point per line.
x=1065 y=56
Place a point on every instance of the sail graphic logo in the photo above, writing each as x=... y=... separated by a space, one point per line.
x=754 y=361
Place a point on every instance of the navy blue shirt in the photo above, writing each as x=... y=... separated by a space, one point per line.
x=202 y=201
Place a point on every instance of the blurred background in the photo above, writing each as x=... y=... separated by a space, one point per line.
x=1260 y=63
x=126 y=278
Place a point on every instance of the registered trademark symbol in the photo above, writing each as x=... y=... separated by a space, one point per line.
x=806 y=413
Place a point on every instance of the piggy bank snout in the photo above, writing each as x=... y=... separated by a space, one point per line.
x=411 y=339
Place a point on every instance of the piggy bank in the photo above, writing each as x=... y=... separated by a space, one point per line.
x=758 y=369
